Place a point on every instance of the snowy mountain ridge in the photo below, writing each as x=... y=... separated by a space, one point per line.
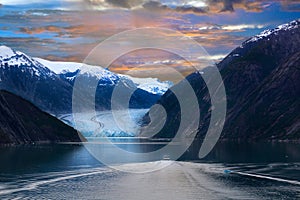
x=9 y=57
x=266 y=33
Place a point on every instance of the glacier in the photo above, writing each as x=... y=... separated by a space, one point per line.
x=104 y=123
x=48 y=85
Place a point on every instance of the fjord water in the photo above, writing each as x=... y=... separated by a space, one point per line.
x=68 y=171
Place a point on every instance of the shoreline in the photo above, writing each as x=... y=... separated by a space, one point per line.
x=150 y=140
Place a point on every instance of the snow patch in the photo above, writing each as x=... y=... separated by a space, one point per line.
x=11 y=58
x=100 y=73
x=6 y=52
x=152 y=85
x=284 y=27
x=60 y=67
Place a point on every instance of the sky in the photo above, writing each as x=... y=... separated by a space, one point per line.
x=67 y=30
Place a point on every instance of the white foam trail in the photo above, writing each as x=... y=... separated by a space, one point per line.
x=17 y=198
x=143 y=167
x=34 y=185
x=268 y=178
x=135 y=167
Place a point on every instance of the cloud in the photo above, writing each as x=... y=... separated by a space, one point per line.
x=216 y=57
x=227 y=4
x=76 y=35
x=198 y=7
x=194 y=10
x=128 y=4
x=242 y=27
x=291 y=5
x=155 y=5
x=125 y=3
x=231 y=5
x=194 y=6
x=39 y=30
x=18 y=2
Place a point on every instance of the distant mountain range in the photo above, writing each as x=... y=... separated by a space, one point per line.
x=262 y=82
x=23 y=123
x=49 y=85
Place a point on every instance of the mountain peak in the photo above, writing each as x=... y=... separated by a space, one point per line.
x=10 y=58
x=266 y=33
x=6 y=52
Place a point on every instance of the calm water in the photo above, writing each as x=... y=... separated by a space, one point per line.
x=230 y=171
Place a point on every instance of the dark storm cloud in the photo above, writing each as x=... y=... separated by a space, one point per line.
x=118 y=3
x=155 y=5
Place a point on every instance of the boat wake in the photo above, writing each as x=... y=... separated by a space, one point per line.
x=177 y=180
x=39 y=180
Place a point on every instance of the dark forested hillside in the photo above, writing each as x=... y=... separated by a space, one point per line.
x=23 y=123
x=262 y=82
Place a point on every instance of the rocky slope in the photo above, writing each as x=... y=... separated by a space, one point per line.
x=262 y=82
x=23 y=123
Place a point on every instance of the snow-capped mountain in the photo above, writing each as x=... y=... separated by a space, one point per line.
x=59 y=67
x=257 y=42
x=275 y=31
x=152 y=85
x=49 y=84
x=71 y=69
x=17 y=59
x=26 y=77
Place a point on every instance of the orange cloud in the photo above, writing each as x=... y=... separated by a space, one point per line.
x=38 y=30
